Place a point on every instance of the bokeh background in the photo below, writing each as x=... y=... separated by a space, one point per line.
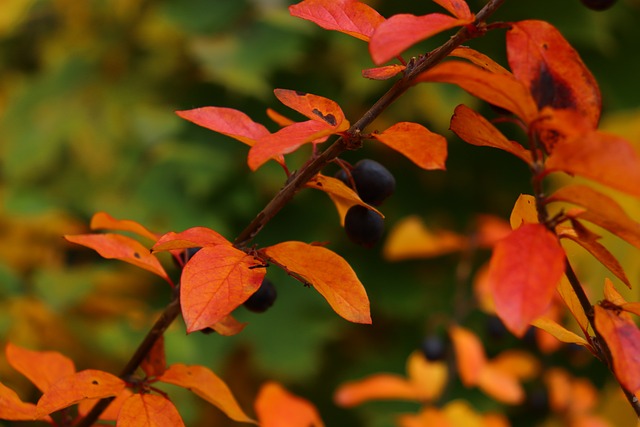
x=88 y=91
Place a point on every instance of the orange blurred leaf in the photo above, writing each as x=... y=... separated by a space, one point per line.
x=314 y=107
x=376 y=387
x=602 y=157
x=470 y=355
x=215 y=281
x=426 y=149
x=14 y=409
x=347 y=16
x=276 y=407
x=559 y=331
x=148 y=410
x=400 y=32
x=42 y=368
x=623 y=339
x=458 y=8
x=524 y=271
x=155 y=362
x=502 y=90
x=474 y=129
x=517 y=363
x=490 y=229
x=383 y=73
x=206 y=384
x=500 y=385
x=71 y=389
x=329 y=274
x=104 y=221
x=552 y=70
x=429 y=377
x=190 y=238
x=427 y=416
x=226 y=121
x=228 y=326
x=123 y=248
x=410 y=238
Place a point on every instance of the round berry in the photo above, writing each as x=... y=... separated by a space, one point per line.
x=374 y=183
x=363 y=226
x=598 y=4
x=434 y=348
x=263 y=298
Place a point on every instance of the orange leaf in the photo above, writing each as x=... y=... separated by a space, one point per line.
x=87 y=384
x=500 y=385
x=340 y=193
x=276 y=407
x=278 y=118
x=148 y=410
x=429 y=377
x=123 y=248
x=329 y=274
x=524 y=271
x=42 y=368
x=502 y=90
x=226 y=121
x=601 y=210
x=623 y=339
x=427 y=416
x=572 y=302
x=155 y=362
x=410 y=238
x=215 y=281
x=400 y=32
x=474 y=129
x=228 y=326
x=203 y=382
x=611 y=294
x=104 y=221
x=376 y=387
x=517 y=363
x=426 y=149
x=559 y=331
x=112 y=411
x=383 y=73
x=602 y=157
x=314 y=107
x=190 y=238
x=287 y=140
x=479 y=59
x=14 y=409
x=490 y=229
x=552 y=70
x=347 y=16
x=470 y=356
x=458 y=8
x=524 y=211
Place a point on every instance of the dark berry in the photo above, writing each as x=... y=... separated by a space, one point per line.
x=342 y=176
x=263 y=298
x=374 y=183
x=363 y=226
x=434 y=348
x=495 y=328
x=190 y=252
x=598 y=4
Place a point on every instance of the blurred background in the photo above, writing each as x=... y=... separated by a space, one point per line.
x=88 y=91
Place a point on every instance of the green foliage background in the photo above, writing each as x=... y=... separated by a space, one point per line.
x=87 y=94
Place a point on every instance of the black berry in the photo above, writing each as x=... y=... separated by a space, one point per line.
x=434 y=348
x=263 y=298
x=363 y=226
x=374 y=183
x=598 y=4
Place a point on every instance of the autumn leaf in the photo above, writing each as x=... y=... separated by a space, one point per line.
x=426 y=149
x=277 y=407
x=570 y=298
x=112 y=411
x=226 y=121
x=71 y=389
x=474 y=129
x=558 y=331
x=123 y=248
x=14 y=409
x=329 y=274
x=42 y=368
x=104 y=221
x=552 y=70
x=480 y=59
x=347 y=16
x=206 y=384
x=623 y=339
x=314 y=107
x=383 y=73
x=458 y=8
x=470 y=355
x=500 y=385
x=524 y=211
x=278 y=118
x=155 y=362
x=524 y=270
x=148 y=410
x=190 y=238
x=215 y=281
x=228 y=326
x=400 y=32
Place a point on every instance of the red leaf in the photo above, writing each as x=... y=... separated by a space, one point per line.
x=601 y=210
x=276 y=407
x=347 y=16
x=104 y=221
x=502 y=90
x=551 y=69
x=215 y=281
x=329 y=274
x=400 y=32
x=155 y=362
x=88 y=384
x=314 y=107
x=602 y=157
x=14 y=409
x=476 y=130
x=458 y=8
x=148 y=410
x=42 y=368
x=287 y=140
x=203 y=382
x=623 y=339
x=383 y=73
x=423 y=147
x=524 y=270
x=190 y=238
x=226 y=121
x=123 y=248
